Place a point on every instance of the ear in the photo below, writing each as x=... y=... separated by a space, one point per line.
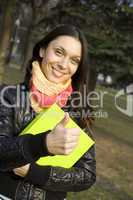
x=41 y=52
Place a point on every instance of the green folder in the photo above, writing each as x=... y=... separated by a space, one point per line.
x=47 y=120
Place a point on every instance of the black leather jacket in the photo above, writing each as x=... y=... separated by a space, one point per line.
x=41 y=182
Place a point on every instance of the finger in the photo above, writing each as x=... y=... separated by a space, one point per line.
x=17 y=172
x=70 y=148
x=72 y=145
x=71 y=138
x=73 y=131
x=65 y=119
x=16 y=169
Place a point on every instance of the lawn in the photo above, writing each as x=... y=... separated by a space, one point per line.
x=114 y=154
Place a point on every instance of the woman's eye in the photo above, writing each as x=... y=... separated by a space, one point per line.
x=75 y=61
x=58 y=52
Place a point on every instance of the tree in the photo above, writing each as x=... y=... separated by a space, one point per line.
x=7 y=21
x=107 y=26
x=19 y=16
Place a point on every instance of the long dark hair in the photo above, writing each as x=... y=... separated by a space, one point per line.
x=82 y=76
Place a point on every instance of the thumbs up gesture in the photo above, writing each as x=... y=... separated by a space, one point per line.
x=62 y=140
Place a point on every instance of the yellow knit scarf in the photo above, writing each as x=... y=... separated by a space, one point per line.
x=44 y=85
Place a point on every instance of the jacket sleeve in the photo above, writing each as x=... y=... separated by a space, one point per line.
x=80 y=177
x=17 y=151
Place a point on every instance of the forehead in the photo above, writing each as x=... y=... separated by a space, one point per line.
x=68 y=43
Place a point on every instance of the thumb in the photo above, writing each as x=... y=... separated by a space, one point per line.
x=65 y=119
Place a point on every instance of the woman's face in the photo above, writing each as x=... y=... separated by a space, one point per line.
x=60 y=60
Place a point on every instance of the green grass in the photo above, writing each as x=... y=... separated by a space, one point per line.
x=114 y=154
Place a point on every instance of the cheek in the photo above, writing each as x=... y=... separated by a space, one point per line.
x=73 y=70
x=71 y=73
x=50 y=58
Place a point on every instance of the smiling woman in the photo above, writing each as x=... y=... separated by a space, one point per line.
x=60 y=59
x=58 y=69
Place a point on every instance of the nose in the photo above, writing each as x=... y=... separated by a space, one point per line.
x=63 y=64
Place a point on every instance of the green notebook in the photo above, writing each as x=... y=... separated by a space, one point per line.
x=47 y=120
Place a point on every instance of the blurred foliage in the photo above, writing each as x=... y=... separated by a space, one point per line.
x=109 y=30
x=108 y=26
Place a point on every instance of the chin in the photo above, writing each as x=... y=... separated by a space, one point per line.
x=54 y=80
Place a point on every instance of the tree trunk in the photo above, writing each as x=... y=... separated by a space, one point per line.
x=7 y=28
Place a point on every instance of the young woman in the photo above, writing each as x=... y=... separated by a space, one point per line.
x=57 y=72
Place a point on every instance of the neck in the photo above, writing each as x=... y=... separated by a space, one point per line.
x=44 y=92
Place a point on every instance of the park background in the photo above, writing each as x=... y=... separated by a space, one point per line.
x=108 y=26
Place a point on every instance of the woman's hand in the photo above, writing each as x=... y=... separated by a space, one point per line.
x=62 y=140
x=22 y=171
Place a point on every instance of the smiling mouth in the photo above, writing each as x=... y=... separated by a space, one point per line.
x=57 y=73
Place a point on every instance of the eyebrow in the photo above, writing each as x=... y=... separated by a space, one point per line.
x=76 y=56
